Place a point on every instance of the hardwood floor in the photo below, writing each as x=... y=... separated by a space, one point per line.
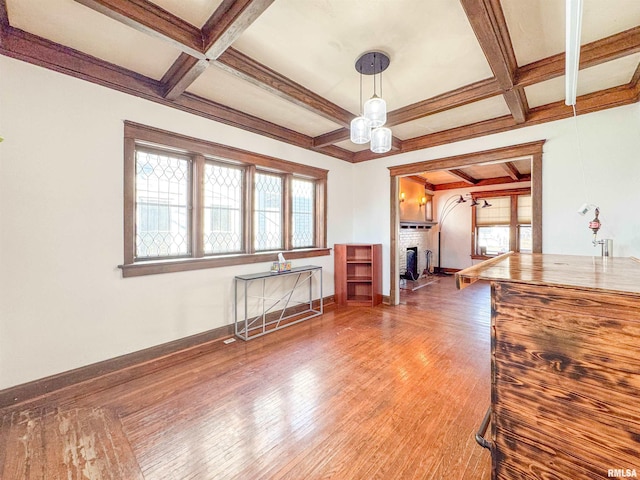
x=359 y=393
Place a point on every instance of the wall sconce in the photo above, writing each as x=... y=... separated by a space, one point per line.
x=401 y=197
x=422 y=202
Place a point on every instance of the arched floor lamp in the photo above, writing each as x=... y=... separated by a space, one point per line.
x=449 y=204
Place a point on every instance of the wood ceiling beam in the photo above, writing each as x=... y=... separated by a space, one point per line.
x=422 y=181
x=182 y=73
x=330 y=138
x=594 y=53
x=490 y=27
x=228 y=22
x=147 y=17
x=482 y=183
x=455 y=98
x=262 y=76
x=36 y=50
x=511 y=171
x=465 y=177
x=459 y=97
x=593 y=102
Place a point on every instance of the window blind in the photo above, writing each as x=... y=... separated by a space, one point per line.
x=499 y=213
x=524 y=209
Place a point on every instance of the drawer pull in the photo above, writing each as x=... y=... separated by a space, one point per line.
x=483 y=442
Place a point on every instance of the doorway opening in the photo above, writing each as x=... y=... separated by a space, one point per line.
x=502 y=156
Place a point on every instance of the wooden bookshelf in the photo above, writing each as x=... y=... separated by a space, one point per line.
x=358 y=274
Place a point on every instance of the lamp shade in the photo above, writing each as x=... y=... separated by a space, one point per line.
x=375 y=110
x=380 y=140
x=360 y=130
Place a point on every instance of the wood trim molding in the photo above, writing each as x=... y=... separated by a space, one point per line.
x=147 y=17
x=594 y=53
x=494 y=155
x=533 y=150
x=118 y=370
x=440 y=103
x=262 y=76
x=114 y=371
x=536 y=202
x=190 y=264
x=191 y=144
x=502 y=193
x=39 y=51
x=613 y=97
x=199 y=150
x=481 y=183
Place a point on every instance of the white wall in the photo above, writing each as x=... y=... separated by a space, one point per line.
x=609 y=143
x=63 y=301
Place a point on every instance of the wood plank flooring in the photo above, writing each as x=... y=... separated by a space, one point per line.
x=359 y=393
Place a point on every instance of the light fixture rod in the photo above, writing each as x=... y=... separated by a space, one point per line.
x=573 y=16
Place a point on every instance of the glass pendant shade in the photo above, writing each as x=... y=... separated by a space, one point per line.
x=375 y=110
x=360 y=130
x=380 y=140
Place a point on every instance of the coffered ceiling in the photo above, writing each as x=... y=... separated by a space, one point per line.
x=285 y=68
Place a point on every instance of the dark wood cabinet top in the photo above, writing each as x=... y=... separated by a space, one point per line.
x=608 y=274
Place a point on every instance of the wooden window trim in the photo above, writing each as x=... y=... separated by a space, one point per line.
x=199 y=150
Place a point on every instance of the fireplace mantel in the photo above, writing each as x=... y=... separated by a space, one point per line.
x=417 y=225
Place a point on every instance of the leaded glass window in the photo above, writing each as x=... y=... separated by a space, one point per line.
x=222 y=209
x=267 y=212
x=302 y=211
x=162 y=204
x=191 y=204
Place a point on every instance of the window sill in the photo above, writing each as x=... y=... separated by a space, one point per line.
x=187 y=264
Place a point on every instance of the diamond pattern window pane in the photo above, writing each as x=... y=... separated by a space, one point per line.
x=162 y=205
x=267 y=221
x=222 y=209
x=302 y=192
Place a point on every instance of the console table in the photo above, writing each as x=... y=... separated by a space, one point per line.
x=275 y=312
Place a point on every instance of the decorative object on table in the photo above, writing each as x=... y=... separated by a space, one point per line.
x=595 y=225
x=281 y=265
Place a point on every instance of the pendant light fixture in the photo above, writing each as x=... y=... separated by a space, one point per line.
x=369 y=125
x=360 y=126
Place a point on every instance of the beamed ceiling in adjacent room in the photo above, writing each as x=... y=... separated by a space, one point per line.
x=285 y=68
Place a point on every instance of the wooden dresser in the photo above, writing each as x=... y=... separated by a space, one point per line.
x=565 y=353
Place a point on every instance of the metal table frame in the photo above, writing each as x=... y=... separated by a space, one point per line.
x=269 y=320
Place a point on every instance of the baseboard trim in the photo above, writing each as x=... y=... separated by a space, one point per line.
x=114 y=371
